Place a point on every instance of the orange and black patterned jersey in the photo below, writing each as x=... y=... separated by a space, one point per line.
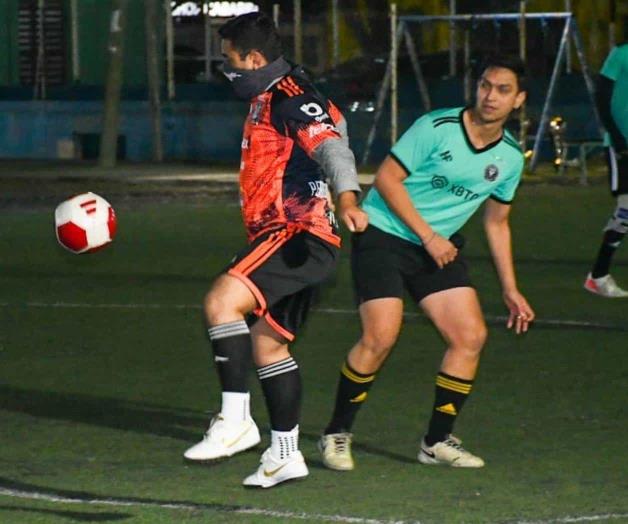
x=280 y=184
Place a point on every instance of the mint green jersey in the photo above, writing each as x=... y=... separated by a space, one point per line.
x=616 y=68
x=448 y=178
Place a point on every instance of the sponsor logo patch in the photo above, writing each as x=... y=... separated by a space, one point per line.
x=491 y=172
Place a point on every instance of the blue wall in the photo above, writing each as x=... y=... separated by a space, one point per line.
x=206 y=123
x=192 y=130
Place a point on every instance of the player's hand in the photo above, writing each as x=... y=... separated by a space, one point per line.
x=441 y=250
x=354 y=218
x=521 y=314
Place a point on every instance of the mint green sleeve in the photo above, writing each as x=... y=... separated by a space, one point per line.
x=616 y=61
x=415 y=145
x=505 y=191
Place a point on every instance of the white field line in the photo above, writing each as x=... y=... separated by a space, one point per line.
x=246 y=510
x=550 y=322
x=219 y=508
x=582 y=518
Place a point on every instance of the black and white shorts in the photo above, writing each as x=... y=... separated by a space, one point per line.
x=283 y=270
x=385 y=265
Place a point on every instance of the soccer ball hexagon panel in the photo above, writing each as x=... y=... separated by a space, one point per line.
x=85 y=223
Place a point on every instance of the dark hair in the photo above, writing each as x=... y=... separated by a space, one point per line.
x=253 y=31
x=511 y=62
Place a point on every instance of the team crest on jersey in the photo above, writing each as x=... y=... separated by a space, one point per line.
x=256 y=111
x=491 y=172
x=439 y=181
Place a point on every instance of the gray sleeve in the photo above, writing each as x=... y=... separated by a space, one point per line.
x=338 y=162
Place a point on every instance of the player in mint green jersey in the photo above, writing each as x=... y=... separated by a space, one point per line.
x=437 y=175
x=612 y=102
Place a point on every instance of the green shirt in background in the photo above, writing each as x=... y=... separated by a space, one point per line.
x=616 y=68
x=448 y=178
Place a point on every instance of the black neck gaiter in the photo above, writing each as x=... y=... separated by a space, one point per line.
x=248 y=83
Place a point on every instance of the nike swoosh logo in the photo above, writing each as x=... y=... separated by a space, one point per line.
x=272 y=472
x=221 y=359
x=238 y=438
x=428 y=453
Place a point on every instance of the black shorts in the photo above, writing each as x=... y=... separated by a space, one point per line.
x=385 y=265
x=617 y=171
x=283 y=270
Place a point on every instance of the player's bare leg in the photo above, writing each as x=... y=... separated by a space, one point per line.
x=381 y=321
x=457 y=315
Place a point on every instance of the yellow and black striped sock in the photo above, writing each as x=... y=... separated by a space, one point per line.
x=352 y=391
x=451 y=392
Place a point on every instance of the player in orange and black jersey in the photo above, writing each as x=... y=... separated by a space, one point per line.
x=295 y=140
x=282 y=182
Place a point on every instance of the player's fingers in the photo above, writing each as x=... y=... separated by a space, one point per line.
x=522 y=322
x=348 y=220
x=362 y=222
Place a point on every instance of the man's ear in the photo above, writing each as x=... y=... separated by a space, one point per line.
x=258 y=59
x=520 y=99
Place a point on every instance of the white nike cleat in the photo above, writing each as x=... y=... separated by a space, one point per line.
x=335 y=451
x=448 y=452
x=224 y=439
x=272 y=471
x=604 y=286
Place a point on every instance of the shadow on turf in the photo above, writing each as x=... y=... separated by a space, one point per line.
x=70 y=515
x=356 y=446
x=126 y=415
x=101 y=411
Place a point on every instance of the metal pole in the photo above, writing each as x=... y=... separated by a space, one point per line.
x=523 y=54
x=568 y=67
x=550 y=15
x=169 y=50
x=109 y=137
x=39 y=87
x=298 y=33
x=612 y=26
x=381 y=100
x=550 y=94
x=276 y=15
x=335 y=53
x=394 y=101
x=74 y=20
x=418 y=72
x=467 y=65
x=152 y=74
x=208 y=44
x=586 y=73
x=452 y=39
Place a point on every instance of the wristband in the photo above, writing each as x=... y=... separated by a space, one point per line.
x=430 y=239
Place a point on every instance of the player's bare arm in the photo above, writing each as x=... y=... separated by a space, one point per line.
x=497 y=227
x=389 y=182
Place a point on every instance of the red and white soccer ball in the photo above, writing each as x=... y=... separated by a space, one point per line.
x=85 y=223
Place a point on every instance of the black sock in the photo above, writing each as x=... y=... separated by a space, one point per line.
x=232 y=347
x=281 y=384
x=451 y=392
x=610 y=243
x=352 y=391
